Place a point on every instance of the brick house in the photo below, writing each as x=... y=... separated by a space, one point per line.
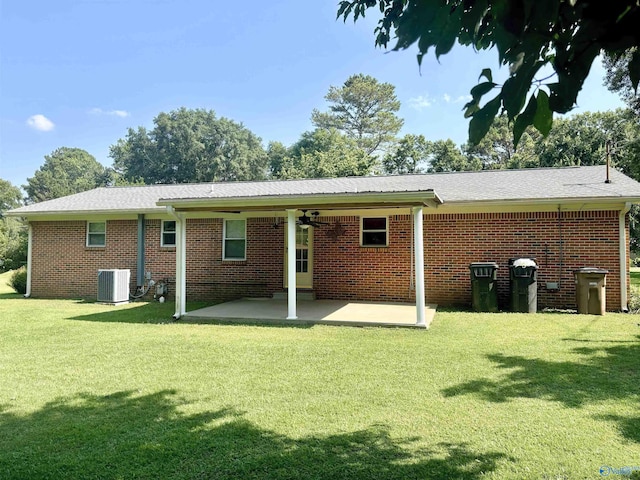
x=361 y=238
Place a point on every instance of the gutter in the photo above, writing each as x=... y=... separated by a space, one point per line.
x=27 y=293
x=624 y=261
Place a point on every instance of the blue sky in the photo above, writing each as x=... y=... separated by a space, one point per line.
x=78 y=73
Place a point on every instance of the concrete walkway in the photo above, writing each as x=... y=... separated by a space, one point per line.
x=330 y=312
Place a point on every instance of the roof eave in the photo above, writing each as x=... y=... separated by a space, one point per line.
x=427 y=197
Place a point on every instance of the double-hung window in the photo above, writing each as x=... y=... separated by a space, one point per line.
x=96 y=234
x=234 y=240
x=168 y=235
x=374 y=231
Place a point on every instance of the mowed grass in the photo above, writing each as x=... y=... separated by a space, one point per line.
x=102 y=392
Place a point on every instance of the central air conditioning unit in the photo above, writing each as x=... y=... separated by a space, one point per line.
x=113 y=286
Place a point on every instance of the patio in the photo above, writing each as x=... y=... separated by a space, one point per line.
x=310 y=312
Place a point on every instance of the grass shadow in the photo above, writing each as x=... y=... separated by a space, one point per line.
x=125 y=435
x=136 y=312
x=603 y=373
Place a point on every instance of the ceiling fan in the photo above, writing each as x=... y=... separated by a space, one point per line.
x=305 y=222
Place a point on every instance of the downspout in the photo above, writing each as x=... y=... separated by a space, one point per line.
x=180 y=262
x=27 y=293
x=141 y=259
x=624 y=261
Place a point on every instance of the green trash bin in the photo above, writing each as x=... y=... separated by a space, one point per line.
x=484 y=288
x=523 y=285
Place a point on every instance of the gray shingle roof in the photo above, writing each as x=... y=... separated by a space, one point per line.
x=461 y=187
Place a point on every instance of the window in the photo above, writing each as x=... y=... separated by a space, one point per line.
x=234 y=240
x=373 y=232
x=96 y=234
x=168 y=235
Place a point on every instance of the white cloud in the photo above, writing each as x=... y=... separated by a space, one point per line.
x=40 y=122
x=420 y=102
x=462 y=98
x=113 y=113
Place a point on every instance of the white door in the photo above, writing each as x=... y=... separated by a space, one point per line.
x=304 y=257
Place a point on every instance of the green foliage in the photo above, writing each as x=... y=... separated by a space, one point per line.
x=581 y=140
x=496 y=150
x=410 y=155
x=10 y=196
x=320 y=153
x=618 y=80
x=18 y=280
x=527 y=35
x=65 y=171
x=13 y=231
x=189 y=146
x=363 y=109
x=445 y=156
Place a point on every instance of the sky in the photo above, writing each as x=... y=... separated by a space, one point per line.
x=79 y=73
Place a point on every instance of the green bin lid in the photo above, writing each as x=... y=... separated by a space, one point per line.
x=591 y=270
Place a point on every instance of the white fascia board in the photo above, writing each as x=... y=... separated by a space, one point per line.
x=81 y=214
x=283 y=201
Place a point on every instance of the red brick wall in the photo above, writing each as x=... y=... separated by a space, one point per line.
x=452 y=242
x=64 y=267
x=211 y=278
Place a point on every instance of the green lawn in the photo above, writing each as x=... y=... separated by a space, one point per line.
x=103 y=392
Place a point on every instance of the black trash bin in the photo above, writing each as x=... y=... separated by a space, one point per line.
x=523 y=285
x=484 y=288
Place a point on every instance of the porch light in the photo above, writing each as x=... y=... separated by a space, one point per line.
x=304 y=226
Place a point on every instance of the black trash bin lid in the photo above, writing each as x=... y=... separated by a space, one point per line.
x=483 y=265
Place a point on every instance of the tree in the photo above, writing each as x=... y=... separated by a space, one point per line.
x=363 y=109
x=529 y=35
x=319 y=153
x=411 y=152
x=13 y=232
x=65 y=171
x=445 y=156
x=190 y=146
x=497 y=150
x=617 y=80
x=582 y=139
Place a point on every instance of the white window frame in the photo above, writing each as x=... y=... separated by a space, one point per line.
x=224 y=239
x=385 y=230
x=162 y=232
x=104 y=243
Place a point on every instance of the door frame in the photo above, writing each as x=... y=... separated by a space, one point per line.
x=304 y=280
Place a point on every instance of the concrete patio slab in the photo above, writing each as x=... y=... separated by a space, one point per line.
x=329 y=312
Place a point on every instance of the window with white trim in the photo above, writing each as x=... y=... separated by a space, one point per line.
x=96 y=234
x=168 y=235
x=234 y=240
x=374 y=231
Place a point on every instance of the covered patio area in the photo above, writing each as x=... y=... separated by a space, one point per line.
x=310 y=312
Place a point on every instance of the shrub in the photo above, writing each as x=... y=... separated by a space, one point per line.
x=634 y=300
x=18 y=280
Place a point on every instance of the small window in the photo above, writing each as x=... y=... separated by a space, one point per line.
x=374 y=232
x=234 y=240
x=96 y=234
x=168 y=236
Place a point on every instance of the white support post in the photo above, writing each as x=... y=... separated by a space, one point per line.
x=181 y=263
x=418 y=241
x=291 y=264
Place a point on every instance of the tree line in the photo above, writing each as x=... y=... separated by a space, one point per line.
x=357 y=135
